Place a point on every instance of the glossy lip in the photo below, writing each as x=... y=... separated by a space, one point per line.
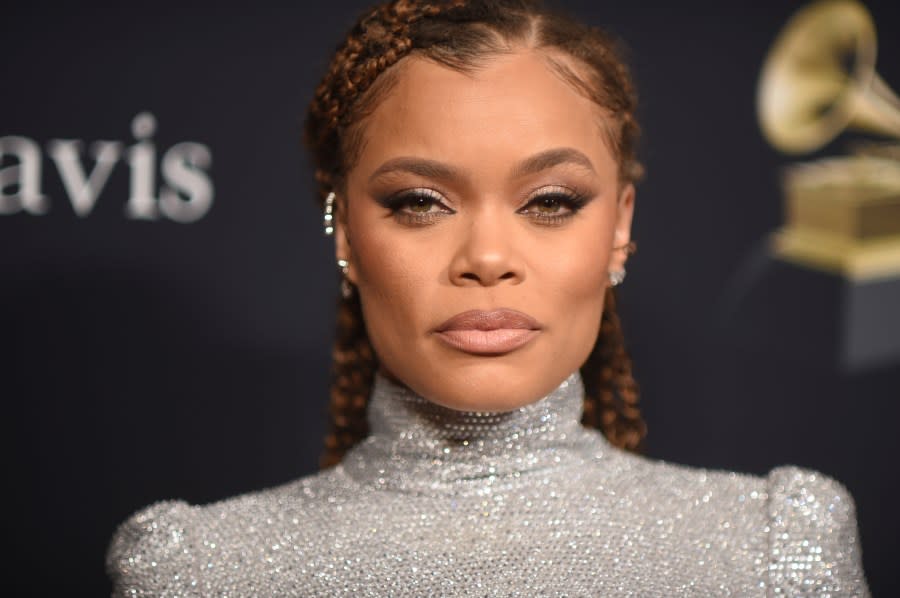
x=491 y=332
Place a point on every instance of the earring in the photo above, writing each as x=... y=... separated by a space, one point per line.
x=346 y=286
x=617 y=276
x=344 y=265
x=329 y=214
x=629 y=247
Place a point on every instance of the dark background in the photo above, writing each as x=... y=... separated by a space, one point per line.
x=145 y=360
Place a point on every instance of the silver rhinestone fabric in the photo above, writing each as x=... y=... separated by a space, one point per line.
x=439 y=502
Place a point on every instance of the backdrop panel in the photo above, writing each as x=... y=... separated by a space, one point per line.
x=167 y=296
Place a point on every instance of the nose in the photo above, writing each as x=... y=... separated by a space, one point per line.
x=486 y=254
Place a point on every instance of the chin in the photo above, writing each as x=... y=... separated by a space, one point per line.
x=489 y=384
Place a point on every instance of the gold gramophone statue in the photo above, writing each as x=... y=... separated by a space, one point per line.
x=842 y=213
x=824 y=288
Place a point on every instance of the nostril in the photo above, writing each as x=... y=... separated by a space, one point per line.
x=475 y=277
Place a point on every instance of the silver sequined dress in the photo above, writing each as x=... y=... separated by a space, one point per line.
x=527 y=503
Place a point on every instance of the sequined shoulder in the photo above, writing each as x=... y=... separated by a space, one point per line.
x=172 y=548
x=814 y=545
x=151 y=536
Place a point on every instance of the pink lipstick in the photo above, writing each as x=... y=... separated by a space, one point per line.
x=488 y=332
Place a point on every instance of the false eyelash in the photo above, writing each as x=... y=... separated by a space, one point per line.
x=570 y=199
x=395 y=203
x=573 y=201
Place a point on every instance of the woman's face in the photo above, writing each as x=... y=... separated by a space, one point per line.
x=487 y=191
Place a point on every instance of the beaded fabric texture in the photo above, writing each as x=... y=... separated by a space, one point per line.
x=437 y=502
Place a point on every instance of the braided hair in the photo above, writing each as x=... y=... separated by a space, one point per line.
x=461 y=34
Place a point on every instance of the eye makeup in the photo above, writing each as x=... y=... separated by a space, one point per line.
x=552 y=205
x=416 y=207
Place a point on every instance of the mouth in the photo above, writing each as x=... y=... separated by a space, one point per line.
x=488 y=332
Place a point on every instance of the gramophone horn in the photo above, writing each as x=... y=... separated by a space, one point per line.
x=819 y=78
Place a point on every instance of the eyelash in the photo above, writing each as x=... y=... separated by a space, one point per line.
x=570 y=199
x=404 y=199
x=565 y=197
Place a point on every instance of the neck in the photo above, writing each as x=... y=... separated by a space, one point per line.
x=417 y=445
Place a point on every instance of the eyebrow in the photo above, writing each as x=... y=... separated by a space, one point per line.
x=438 y=170
x=553 y=157
x=430 y=169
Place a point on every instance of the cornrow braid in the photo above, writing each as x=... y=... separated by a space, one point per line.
x=459 y=34
x=611 y=393
x=353 y=372
x=377 y=41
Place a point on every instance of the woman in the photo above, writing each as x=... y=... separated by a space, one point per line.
x=476 y=161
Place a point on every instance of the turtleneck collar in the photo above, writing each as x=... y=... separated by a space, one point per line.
x=416 y=445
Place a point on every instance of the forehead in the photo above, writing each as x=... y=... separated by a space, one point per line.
x=511 y=106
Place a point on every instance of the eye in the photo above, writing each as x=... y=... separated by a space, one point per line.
x=420 y=203
x=417 y=206
x=549 y=204
x=554 y=205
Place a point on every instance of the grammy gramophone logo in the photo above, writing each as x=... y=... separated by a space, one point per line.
x=824 y=288
x=186 y=194
x=842 y=213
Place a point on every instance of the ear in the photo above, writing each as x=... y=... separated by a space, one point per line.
x=342 y=248
x=622 y=232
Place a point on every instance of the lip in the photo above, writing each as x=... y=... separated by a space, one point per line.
x=491 y=332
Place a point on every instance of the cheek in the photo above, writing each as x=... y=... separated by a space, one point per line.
x=385 y=271
x=575 y=280
x=394 y=281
